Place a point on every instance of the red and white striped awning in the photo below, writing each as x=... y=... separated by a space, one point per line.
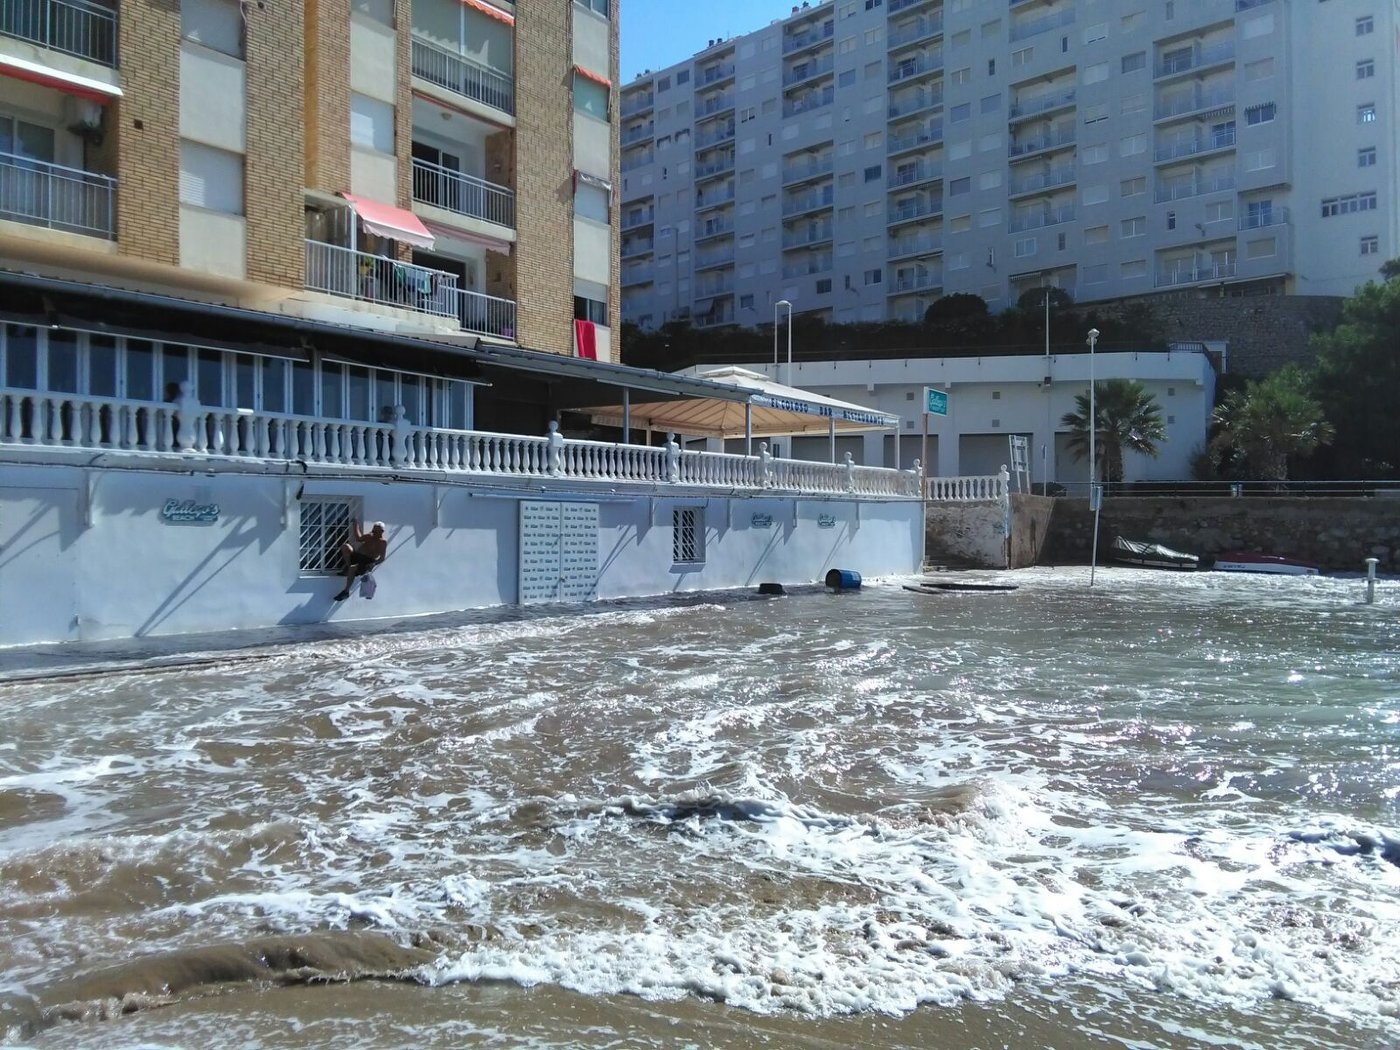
x=491 y=11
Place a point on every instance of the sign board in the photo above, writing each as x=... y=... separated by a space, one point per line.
x=935 y=402
x=189 y=512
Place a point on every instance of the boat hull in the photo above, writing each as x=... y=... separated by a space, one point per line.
x=1266 y=564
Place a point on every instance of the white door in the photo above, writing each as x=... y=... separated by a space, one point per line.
x=38 y=571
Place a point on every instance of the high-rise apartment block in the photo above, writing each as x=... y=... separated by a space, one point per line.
x=862 y=158
x=425 y=167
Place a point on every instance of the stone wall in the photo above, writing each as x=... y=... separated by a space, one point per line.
x=1263 y=332
x=1338 y=534
x=971 y=535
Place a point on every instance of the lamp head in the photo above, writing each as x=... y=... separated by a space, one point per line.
x=1093 y=334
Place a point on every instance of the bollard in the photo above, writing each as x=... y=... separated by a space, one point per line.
x=1371 y=564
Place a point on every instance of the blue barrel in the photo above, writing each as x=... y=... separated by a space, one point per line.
x=843 y=580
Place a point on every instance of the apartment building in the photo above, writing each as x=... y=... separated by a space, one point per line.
x=862 y=158
x=433 y=168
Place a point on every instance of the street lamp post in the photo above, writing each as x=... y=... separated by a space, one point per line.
x=1093 y=464
x=782 y=302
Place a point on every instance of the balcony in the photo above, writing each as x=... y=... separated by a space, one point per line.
x=714 y=75
x=1195 y=274
x=1193 y=146
x=910 y=68
x=714 y=166
x=636 y=274
x=812 y=169
x=1041 y=181
x=405 y=286
x=1187 y=60
x=897 y=6
x=1195 y=187
x=1260 y=219
x=637 y=246
x=1037 y=104
x=930 y=133
x=462 y=76
x=1030 y=27
x=714 y=197
x=818 y=264
x=633 y=104
x=911 y=211
x=915 y=31
x=809 y=70
x=716 y=104
x=812 y=201
x=914 y=282
x=71 y=27
x=722 y=226
x=913 y=174
x=720 y=255
x=711 y=138
x=811 y=38
x=464 y=194
x=631 y=136
x=1193 y=101
x=1041 y=218
x=814 y=100
x=1040 y=143
x=902 y=107
x=633 y=219
x=923 y=243
x=38 y=193
x=816 y=233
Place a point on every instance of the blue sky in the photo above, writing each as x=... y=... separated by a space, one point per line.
x=659 y=33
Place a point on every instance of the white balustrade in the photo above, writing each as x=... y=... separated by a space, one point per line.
x=970 y=489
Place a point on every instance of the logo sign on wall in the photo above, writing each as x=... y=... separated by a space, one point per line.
x=826 y=521
x=762 y=521
x=188 y=512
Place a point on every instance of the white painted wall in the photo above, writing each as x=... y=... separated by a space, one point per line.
x=213 y=98
x=372 y=58
x=213 y=242
x=130 y=573
x=373 y=174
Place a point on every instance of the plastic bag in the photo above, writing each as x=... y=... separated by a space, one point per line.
x=367 y=585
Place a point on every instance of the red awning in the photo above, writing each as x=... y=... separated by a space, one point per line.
x=68 y=83
x=491 y=11
x=596 y=78
x=384 y=220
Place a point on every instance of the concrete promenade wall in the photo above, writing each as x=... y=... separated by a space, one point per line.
x=1337 y=534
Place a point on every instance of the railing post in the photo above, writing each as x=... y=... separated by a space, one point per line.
x=923 y=482
x=187 y=407
x=673 y=459
x=399 y=443
x=556 y=449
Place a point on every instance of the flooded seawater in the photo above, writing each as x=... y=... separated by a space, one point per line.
x=1158 y=813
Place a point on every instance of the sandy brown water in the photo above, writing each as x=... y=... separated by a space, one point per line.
x=1157 y=813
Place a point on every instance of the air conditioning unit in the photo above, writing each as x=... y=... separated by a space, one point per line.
x=82 y=115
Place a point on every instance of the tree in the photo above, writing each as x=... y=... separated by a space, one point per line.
x=1358 y=371
x=959 y=320
x=1128 y=419
x=1269 y=421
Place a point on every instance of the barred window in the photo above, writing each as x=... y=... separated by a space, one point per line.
x=325 y=526
x=688 y=535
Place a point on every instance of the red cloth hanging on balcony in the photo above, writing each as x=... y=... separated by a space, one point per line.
x=586 y=340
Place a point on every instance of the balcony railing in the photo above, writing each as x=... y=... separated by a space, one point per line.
x=807 y=235
x=1043 y=180
x=813 y=100
x=487 y=314
x=1223 y=51
x=1031 y=105
x=464 y=194
x=1190 y=101
x=631 y=135
x=913 y=174
x=916 y=245
x=911 y=210
x=1195 y=187
x=821 y=198
x=916 y=30
x=811 y=169
x=807 y=70
x=637 y=104
x=1052 y=140
x=1042 y=24
x=915 y=282
x=43 y=194
x=1038 y=219
x=914 y=103
x=710 y=138
x=1190 y=147
x=463 y=76
x=1195 y=274
x=73 y=27
x=378 y=279
x=916 y=67
x=1258 y=220
x=798 y=41
x=87 y=424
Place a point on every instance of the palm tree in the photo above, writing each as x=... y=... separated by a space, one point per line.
x=1268 y=421
x=1128 y=420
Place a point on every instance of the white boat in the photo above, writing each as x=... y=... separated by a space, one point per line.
x=1252 y=561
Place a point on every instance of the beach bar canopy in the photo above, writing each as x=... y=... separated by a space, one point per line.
x=763 y=408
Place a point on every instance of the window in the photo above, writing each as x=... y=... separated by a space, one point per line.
x=216 y=24
x=961 y=112
x=1024 y=247
x=991 y=103
x=1097 y=31
x=1346 y=205
x=382 y=11
x=371 y=123
x=1135 y=227
x=601 y=7
x=872 y=173
x=594 y=310
x=1094 y=155
x=1370 y=244
x=1366 y=69
x=874 y=276
x=1132 y=63
x=1131 y=145
x=211 y=178
x=325 y=527
x=960 y=76
x=846 y=78
x=682 y=77
x=1366 y=157
x=590 y=97
x=1095 y=113
x=1260 y=114
x=1135 y=268
x=1132 y=187
x=1134 y=103
x=1096 y=73
x=1366 y=113
x=1023 y=56
x=991 y=67
x=957 y=187
x=591 y=202
x=1096 y=235
x=1261 y=69
x=688 y=535
x=823 y=286
x=1365 y=25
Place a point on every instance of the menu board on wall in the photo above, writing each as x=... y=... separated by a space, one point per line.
x=558 y=551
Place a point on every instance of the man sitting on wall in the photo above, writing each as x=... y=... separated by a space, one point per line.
x=362 y=554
